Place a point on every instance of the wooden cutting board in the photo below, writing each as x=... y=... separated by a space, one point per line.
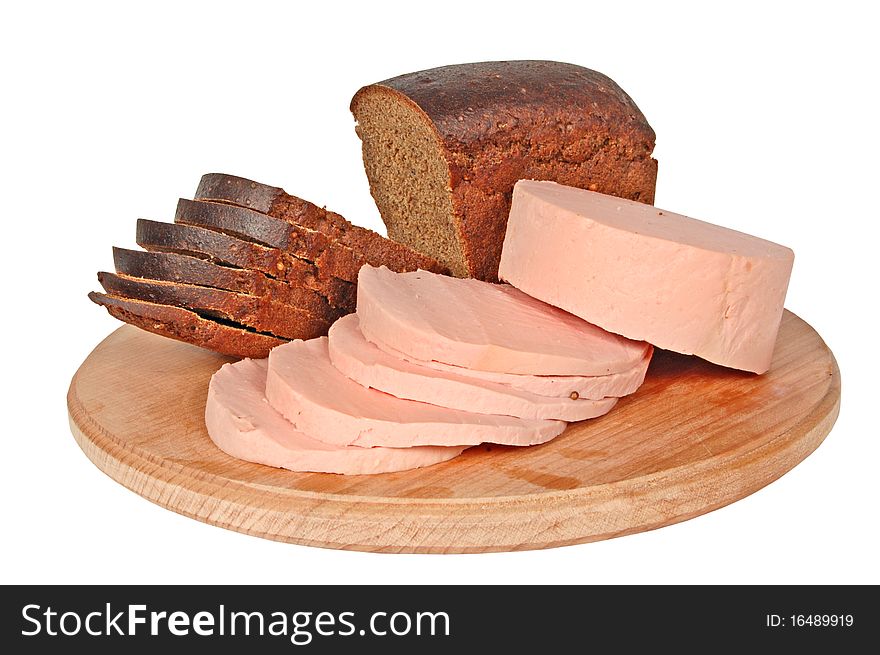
x=694 y=438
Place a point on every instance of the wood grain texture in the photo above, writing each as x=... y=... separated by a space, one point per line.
x=694 y=438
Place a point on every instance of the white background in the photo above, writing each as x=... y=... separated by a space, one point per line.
x=766 y=121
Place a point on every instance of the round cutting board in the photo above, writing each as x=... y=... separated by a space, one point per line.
x=695 y=437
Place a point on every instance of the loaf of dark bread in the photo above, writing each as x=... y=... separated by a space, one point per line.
x=188 y=326
x=173 y=267
x=260 y=314
x=443 y=148
x=225 y=249
x=275 y=202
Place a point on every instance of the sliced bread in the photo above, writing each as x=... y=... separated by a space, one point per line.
x=333 y=258
x=275 y=202
x=188 y=326
x=173 y=267
x=235 y=267
x=259 y=314
x=215 y=246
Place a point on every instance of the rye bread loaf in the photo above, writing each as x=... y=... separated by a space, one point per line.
x=173 y=267
x=185 y=325
x=259 y=314
x=442 y=149
x=218 y=247
x=275 y=202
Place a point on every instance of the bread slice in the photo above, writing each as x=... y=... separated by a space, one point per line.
x=188 y=326
x=333 y=258
x=158 y=236
x=173 y=267
x=259 y=314
x=248 y=224
x=215 y=246
x=275 y=202
x=443 y=148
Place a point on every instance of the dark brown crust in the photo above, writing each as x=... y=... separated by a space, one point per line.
x=237 y=221
x=498 y=122
x=184 y=325
x=210 y=244
x=295 y=239
x=219 y=187
x=488 y=100
x=218 y=247
x=375 y=249
x=173 y=267
x=250 y=311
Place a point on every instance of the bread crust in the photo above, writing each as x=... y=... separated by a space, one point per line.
x=253 y=312
x=334 y=258
x=216 y=246
x=187 y=326
x=277 y=203
x=220 y=187
x=173 y=267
